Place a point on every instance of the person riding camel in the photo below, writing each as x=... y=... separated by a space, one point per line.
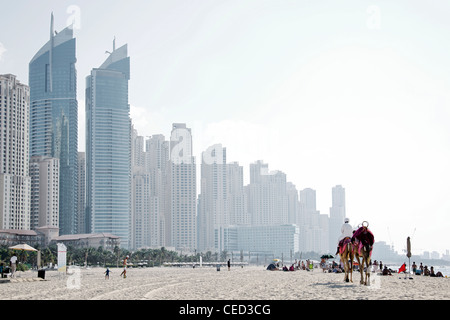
x=346 y=232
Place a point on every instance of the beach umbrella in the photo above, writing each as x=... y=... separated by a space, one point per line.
x=327 y=256
x=22 y=247
x=408 y=247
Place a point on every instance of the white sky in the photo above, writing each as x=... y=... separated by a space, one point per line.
x=330 y=92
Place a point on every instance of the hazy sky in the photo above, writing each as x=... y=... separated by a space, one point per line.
x=330 y=92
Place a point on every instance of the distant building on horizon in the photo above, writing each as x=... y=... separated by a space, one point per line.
x=15 y=182
x=157 y=165
x=213 y=198
x=183 y=189
x=337 y=215
x=108 y=147
x=54 y=116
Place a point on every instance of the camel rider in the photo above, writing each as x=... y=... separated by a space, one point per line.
x=346 y=232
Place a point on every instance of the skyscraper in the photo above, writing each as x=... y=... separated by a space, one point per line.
x=213 y=201
x=140 y=195
x=267 y=196
x=81 y=204
x=14 y=157
x=337 y=214
x=44 y=173
x=54 y=116
x=183 y=189
x=157 y=164
x=108 y=147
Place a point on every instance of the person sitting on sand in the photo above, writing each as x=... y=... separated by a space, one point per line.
x=386 y=271
x=439 y=274
x=426 y=272
x=432 y=274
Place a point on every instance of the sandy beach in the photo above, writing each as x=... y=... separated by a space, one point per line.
x=248 y=283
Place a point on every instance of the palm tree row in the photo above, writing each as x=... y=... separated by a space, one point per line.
x=101 y=257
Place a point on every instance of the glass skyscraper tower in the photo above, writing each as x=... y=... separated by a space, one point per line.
x=108 y=147
x=54 y=116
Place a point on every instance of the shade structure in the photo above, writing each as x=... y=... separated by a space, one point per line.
x=23 y=247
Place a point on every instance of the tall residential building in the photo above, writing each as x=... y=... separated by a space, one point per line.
x=236 y=195
x=108 y=147
x=310 y=231
x=14 y=154
x=337 y=214
x=140 y=195
x=183 y=189
x=54 y=116
x=81 y=201
x=157 y=165
x=44 y=173
x=267 y=196
x=213 y=200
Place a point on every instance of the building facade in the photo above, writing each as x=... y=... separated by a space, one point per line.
x=108 y=147
x=44 y=173
x=183 y=189
x=15 y=181
x=337 y=215
x=213 y=212
x=54 y=116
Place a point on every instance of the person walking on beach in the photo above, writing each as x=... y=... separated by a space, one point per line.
x=229 y=264
x=13 y=264
x=124 y=272
x=107 y=273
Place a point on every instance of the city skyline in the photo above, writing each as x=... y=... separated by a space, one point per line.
x=330 y=94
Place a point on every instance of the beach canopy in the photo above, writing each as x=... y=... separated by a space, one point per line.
x=23 y=247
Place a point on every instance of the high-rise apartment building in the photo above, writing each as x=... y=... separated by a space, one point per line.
x=236 y=195
x=140 y=195
x=183 y=189
x=213 y=201
x=81 y=201
x=267 y=196
x=14 y=156
x=54 y=116
x=108 y=147
x=157 y=165
x=44 y=173
x=337 y=214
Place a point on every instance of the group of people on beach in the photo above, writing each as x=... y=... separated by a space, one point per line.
x=124 y=271
x=424 y=271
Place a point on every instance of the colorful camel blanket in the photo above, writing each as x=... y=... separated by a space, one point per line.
x=363 y=237
x=343 y=243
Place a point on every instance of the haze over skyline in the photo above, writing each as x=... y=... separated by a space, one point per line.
x=352 y=94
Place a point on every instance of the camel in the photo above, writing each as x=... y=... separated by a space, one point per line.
x=346 y=252
x=363 y=250
x=363 y=256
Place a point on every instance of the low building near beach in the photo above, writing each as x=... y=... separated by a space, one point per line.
x=92 y=240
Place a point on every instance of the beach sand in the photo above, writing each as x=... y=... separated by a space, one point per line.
x=248 y=283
